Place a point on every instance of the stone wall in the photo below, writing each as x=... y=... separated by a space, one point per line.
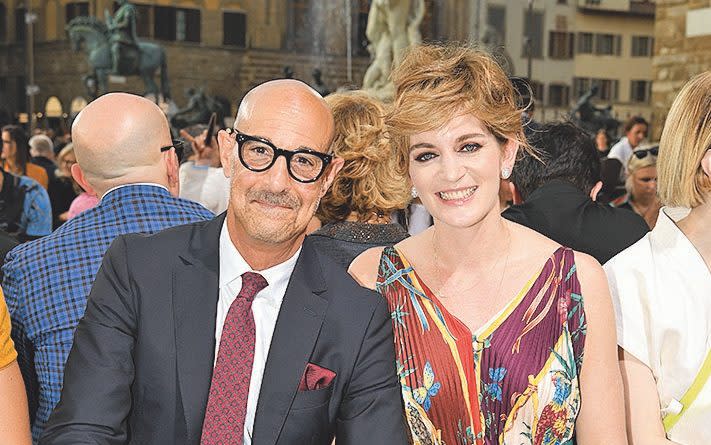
x=677 y=57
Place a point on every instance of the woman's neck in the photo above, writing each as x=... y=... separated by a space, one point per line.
x=695 y=226
x=470 y=247
x=643 y=201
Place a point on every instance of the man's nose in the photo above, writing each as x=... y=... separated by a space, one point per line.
x=278 y=174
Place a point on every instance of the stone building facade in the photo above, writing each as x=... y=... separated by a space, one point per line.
x=683 y=49
x=224 y=46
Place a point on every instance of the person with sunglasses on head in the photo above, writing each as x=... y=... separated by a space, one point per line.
x=641 y=185
x=124 y=156
x=237 y=330
x=661 y=288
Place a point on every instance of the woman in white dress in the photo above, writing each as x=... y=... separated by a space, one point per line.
x=661 y=287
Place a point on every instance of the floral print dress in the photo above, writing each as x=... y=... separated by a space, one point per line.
x=514 y=381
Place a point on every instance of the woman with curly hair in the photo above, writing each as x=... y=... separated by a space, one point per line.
x=356 y=211
x=502 y=336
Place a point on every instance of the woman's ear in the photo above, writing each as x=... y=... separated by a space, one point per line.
x=510 y=151
x=706 y=163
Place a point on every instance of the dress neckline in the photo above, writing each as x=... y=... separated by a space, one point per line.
x=500 y=316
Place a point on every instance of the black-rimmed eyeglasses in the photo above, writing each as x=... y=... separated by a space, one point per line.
x=258 y=155
x=641 y=154
x=178 y=145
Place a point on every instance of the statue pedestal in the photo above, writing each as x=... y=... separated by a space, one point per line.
x=117 y=79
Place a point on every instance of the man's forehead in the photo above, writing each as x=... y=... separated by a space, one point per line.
x=288 y=133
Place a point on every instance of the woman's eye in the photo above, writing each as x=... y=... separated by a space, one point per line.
x=470 y=147
x=425 y=157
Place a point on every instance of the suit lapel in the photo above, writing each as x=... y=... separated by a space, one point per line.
x=297 y=328
x=195 y=295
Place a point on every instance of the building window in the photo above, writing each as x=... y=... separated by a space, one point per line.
x=496 y=19
x=176 y=24
x=538 y=88
x=585 y=43
x=560 y=45
x=640 y=91
x=361 y=43
x=608 y=44
x=234 y=28
x=558 y=95
x=3 y=22
x=608 y=89
x=20 y=25
x=642 y=46
x=75 y=9
x=581 y=85
x=430 y=22
x=533 y=33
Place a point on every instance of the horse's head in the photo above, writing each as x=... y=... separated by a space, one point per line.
x=81 y=29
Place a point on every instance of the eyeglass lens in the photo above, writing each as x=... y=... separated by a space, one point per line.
x=260 y=156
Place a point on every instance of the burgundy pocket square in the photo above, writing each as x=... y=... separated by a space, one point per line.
x=315 y=377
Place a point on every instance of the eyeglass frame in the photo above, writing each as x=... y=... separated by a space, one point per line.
x=179 y=147
x=241 y=138
x=641 y=154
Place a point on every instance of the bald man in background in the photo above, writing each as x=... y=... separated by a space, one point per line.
x=236 y=330
x=126 y=157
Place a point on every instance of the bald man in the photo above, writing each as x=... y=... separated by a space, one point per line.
x=126 y=157
x=237 y=331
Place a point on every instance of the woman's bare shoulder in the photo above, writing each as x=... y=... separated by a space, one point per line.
x=364 y=268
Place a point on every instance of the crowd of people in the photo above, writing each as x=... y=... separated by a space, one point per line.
x=426 y=271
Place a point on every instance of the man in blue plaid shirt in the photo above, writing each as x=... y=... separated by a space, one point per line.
x=125 y=155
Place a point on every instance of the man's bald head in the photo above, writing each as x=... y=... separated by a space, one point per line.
x=117 y=140
x=286 y=100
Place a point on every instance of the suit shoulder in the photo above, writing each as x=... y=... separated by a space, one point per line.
x=171 y=237
x=344 y=287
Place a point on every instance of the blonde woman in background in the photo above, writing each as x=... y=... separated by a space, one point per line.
x=14 y=414
x=661 y=287
x=356 y=212
x=502 y=336
x=641 y=185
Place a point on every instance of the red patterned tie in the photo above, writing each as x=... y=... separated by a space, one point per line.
x=227 y=403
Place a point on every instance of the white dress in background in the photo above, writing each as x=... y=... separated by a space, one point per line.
x=661 y=290
x=204 y=185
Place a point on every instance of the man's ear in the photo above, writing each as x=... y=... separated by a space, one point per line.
x=336 y=166
x=226 y=146
x=172 y=171
x=78 y=175
x=595 y=190
x=515 y=193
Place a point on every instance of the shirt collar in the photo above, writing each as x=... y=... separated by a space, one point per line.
x=132 y=184
x=233 y=265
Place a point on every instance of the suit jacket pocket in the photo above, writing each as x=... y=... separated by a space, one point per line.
x=312 y=399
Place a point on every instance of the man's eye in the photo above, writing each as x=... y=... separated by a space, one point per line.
x=260 y=150
x=471 y=147
x=425 y=157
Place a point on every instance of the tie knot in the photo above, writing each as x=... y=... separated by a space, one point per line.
x=252 y=283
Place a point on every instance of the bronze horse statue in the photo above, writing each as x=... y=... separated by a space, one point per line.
x=93 y=35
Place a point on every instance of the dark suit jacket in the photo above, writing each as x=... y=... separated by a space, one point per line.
x=566 y=215
x=140 y=368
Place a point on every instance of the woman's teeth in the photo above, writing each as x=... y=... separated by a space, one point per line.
x=457 y=195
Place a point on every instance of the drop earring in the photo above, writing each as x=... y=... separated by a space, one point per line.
x=413 y=192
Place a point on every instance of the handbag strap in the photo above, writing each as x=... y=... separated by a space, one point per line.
x=688 y=398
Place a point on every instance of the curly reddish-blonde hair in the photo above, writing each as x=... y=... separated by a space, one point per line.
x=437 y=82
x=371 y=180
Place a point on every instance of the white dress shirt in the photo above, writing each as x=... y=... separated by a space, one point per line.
x=265 y=309
x=205 y=185
x=661 y=291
